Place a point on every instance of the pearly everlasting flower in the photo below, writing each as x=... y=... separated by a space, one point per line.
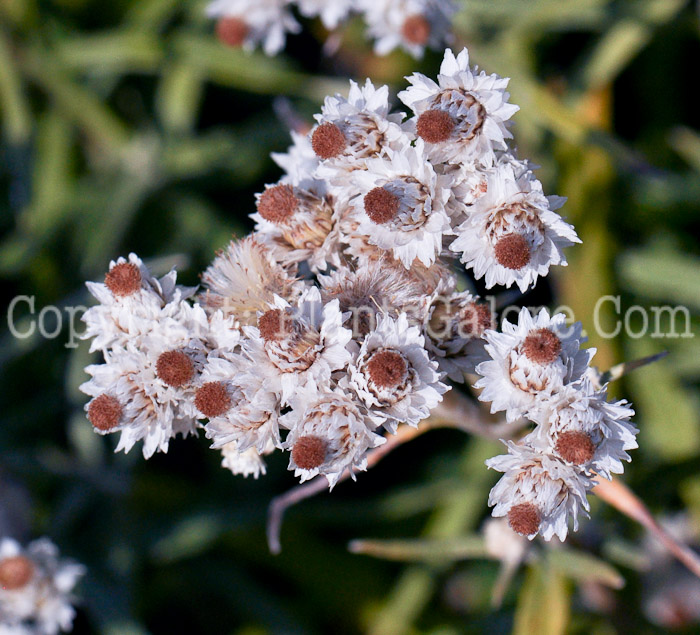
x=331 y=13
x=147 y=393
x=502 y=542
x=393 y=375
x=249 y=23
x=511 y=233
x=35 y=588
x=330 y=432
x=244 y=279
x=355 y=129
x=411 y=25
x=529 y=360
x=298 y=225
x=238 y=408
x=538 y=493
x=463 y=117
x=400 y=206
x=581 y=428
x=293 y=345
x=131 y=301
x=454 y=328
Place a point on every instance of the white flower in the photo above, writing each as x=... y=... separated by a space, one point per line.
x=529 y=361
x=351 y=130
x=400 y=205
x=147 y=393
x=581 y=428
x=231 y=395
x=410 y=24
x=511 y=235
x=393 y=374
x=502 y=542
x=329 y=433
x=463 y=117
x=246 y=463
x=538 y=493
x=298 y=225
x=454 y=329
x=35 y=588
x=331 y=12
x=295 y=344
x=130 y=302
x=248 y=23
x=244 y=279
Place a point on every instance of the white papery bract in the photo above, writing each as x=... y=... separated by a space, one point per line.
x=366 y=126
x=414 y=228
x=556 y=490
x=510 y=234
x=330 y=431
x=310 y=345
x=266 y=21
x=42 y=602
x=393 y=374
x=244 y=279
x=245 y=463
x=530 y=360
x=299 y=163
x=477 y=105
x=250 y=418
x=580 y=427
x=412 y=25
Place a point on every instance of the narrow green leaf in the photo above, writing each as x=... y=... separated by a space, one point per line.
x=431 y=551
x=543 y=603
x=584 y=567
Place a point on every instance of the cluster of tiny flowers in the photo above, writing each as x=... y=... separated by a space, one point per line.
x=538 y=372
x=411 y=25
x=35 y=588
x=340 y=316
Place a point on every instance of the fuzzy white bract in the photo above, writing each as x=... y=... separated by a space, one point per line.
x=36 y=588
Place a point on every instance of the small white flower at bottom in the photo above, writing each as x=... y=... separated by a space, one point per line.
x=330 y=432
x=538 y=493
x=35 y=588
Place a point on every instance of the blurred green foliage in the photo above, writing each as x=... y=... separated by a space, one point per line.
x=126 y=126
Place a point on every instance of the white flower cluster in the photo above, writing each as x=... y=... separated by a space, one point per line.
x=411 y=25
x=35 y=588
x=340 y=316
x=538 y=371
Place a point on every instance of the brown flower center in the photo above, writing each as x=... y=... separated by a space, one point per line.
x=476 y=318
x=328 y=141
x=212 y=399
x=232 y=31
x=541 y=346
x=309 y=452
x=277 y=204
x=387 y=369
x=435 y=126
x=416 y=30
x=175 y=368
x=524 y=519
x=575 y=447
x=381 y=205
x=275 y=325
x=512 y=251
x=123 y=279
x=104 y=412
x=15 y=572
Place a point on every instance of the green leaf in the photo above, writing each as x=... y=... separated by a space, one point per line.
x=432 y=551
x=543 y=604
x=584 y=567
